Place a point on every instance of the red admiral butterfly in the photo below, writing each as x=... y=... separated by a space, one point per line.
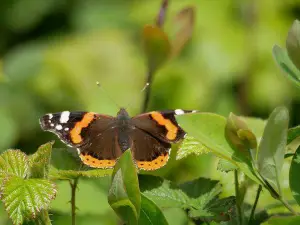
x=101 y=139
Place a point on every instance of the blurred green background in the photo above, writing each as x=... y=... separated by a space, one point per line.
x=53 y=52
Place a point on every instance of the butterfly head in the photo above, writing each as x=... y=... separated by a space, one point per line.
x=123 y=114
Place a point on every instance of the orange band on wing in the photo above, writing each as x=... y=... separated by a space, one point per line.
x=75 y=132
x=157 y=163
x=96 y=163
x=171 y=128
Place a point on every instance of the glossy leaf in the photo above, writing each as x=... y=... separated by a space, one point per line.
x=272 y=147
x=282 y=220
x=14 y=162
x=293 y=43
x=150 y=213
x=124 y=194
x=157 y=47
x=208 y=128
x=39 y=162
x=24 y=199
x=283 y=60
x=183 y=25
x=294 y=176
x=190 y=146
x=293 y=133
x=226 y=166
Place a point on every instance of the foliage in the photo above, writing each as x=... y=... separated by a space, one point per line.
x=52 y=53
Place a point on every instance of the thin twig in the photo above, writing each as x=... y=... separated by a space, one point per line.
x=286 y=204
x=147 y=91
x=237 y=195
x=255 y=204
x=160 y=20
x=73 y=185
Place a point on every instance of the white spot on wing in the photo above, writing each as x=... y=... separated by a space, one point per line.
x=50 y=116
x=58 y=127
x=194 y=111
x=64 y=117
x=52 y=125
x=66 y=129
x=179 y=111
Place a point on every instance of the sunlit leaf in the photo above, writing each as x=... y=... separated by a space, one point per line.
x=226 y=166
x=293 y=43
x=150 y=213
x=124 y=194
x=208 y=128
x=286 y=64
x=183 y=25
x=272 y=147
x=24 y=199
x=293 y=133
x=294 y=176
x=157 y=47
x=14 y=162
x=39 y=162
x=190 y=146
x=282 y=220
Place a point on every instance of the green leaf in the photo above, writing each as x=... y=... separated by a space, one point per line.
x=293 y=133
x=294 y=176
x=14 y=162
x=225 y=166
x=183 y=25
x=124 y=194
x=163 y=192
x=208 y=128
x=24 y=199
x=283 y=60
x=190 y=146
x=272 y=147
x=199 y=197
x=219 y=210
x=56 y=174
x=293 y=43
x=290 y=220
x=157 y=47
x=39 y=162
x=150 y=213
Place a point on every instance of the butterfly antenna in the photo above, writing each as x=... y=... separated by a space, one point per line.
x=142 y=90
x=106 y=93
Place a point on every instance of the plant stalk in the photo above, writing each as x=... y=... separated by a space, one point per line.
x=237 y=195
x=73 y=185
x=147 y=90
x=255 y=204
x=286 y=204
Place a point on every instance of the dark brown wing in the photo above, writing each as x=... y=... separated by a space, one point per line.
x=161 y=125
x=149 y=152
x=92 y=134
x=102 y=150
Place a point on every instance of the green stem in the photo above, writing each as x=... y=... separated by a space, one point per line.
x=255 y=203
x=237 y=195
x=73 y=185
x=279 y=204
x=286 y=204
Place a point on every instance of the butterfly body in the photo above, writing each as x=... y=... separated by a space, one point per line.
x=101 y=139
